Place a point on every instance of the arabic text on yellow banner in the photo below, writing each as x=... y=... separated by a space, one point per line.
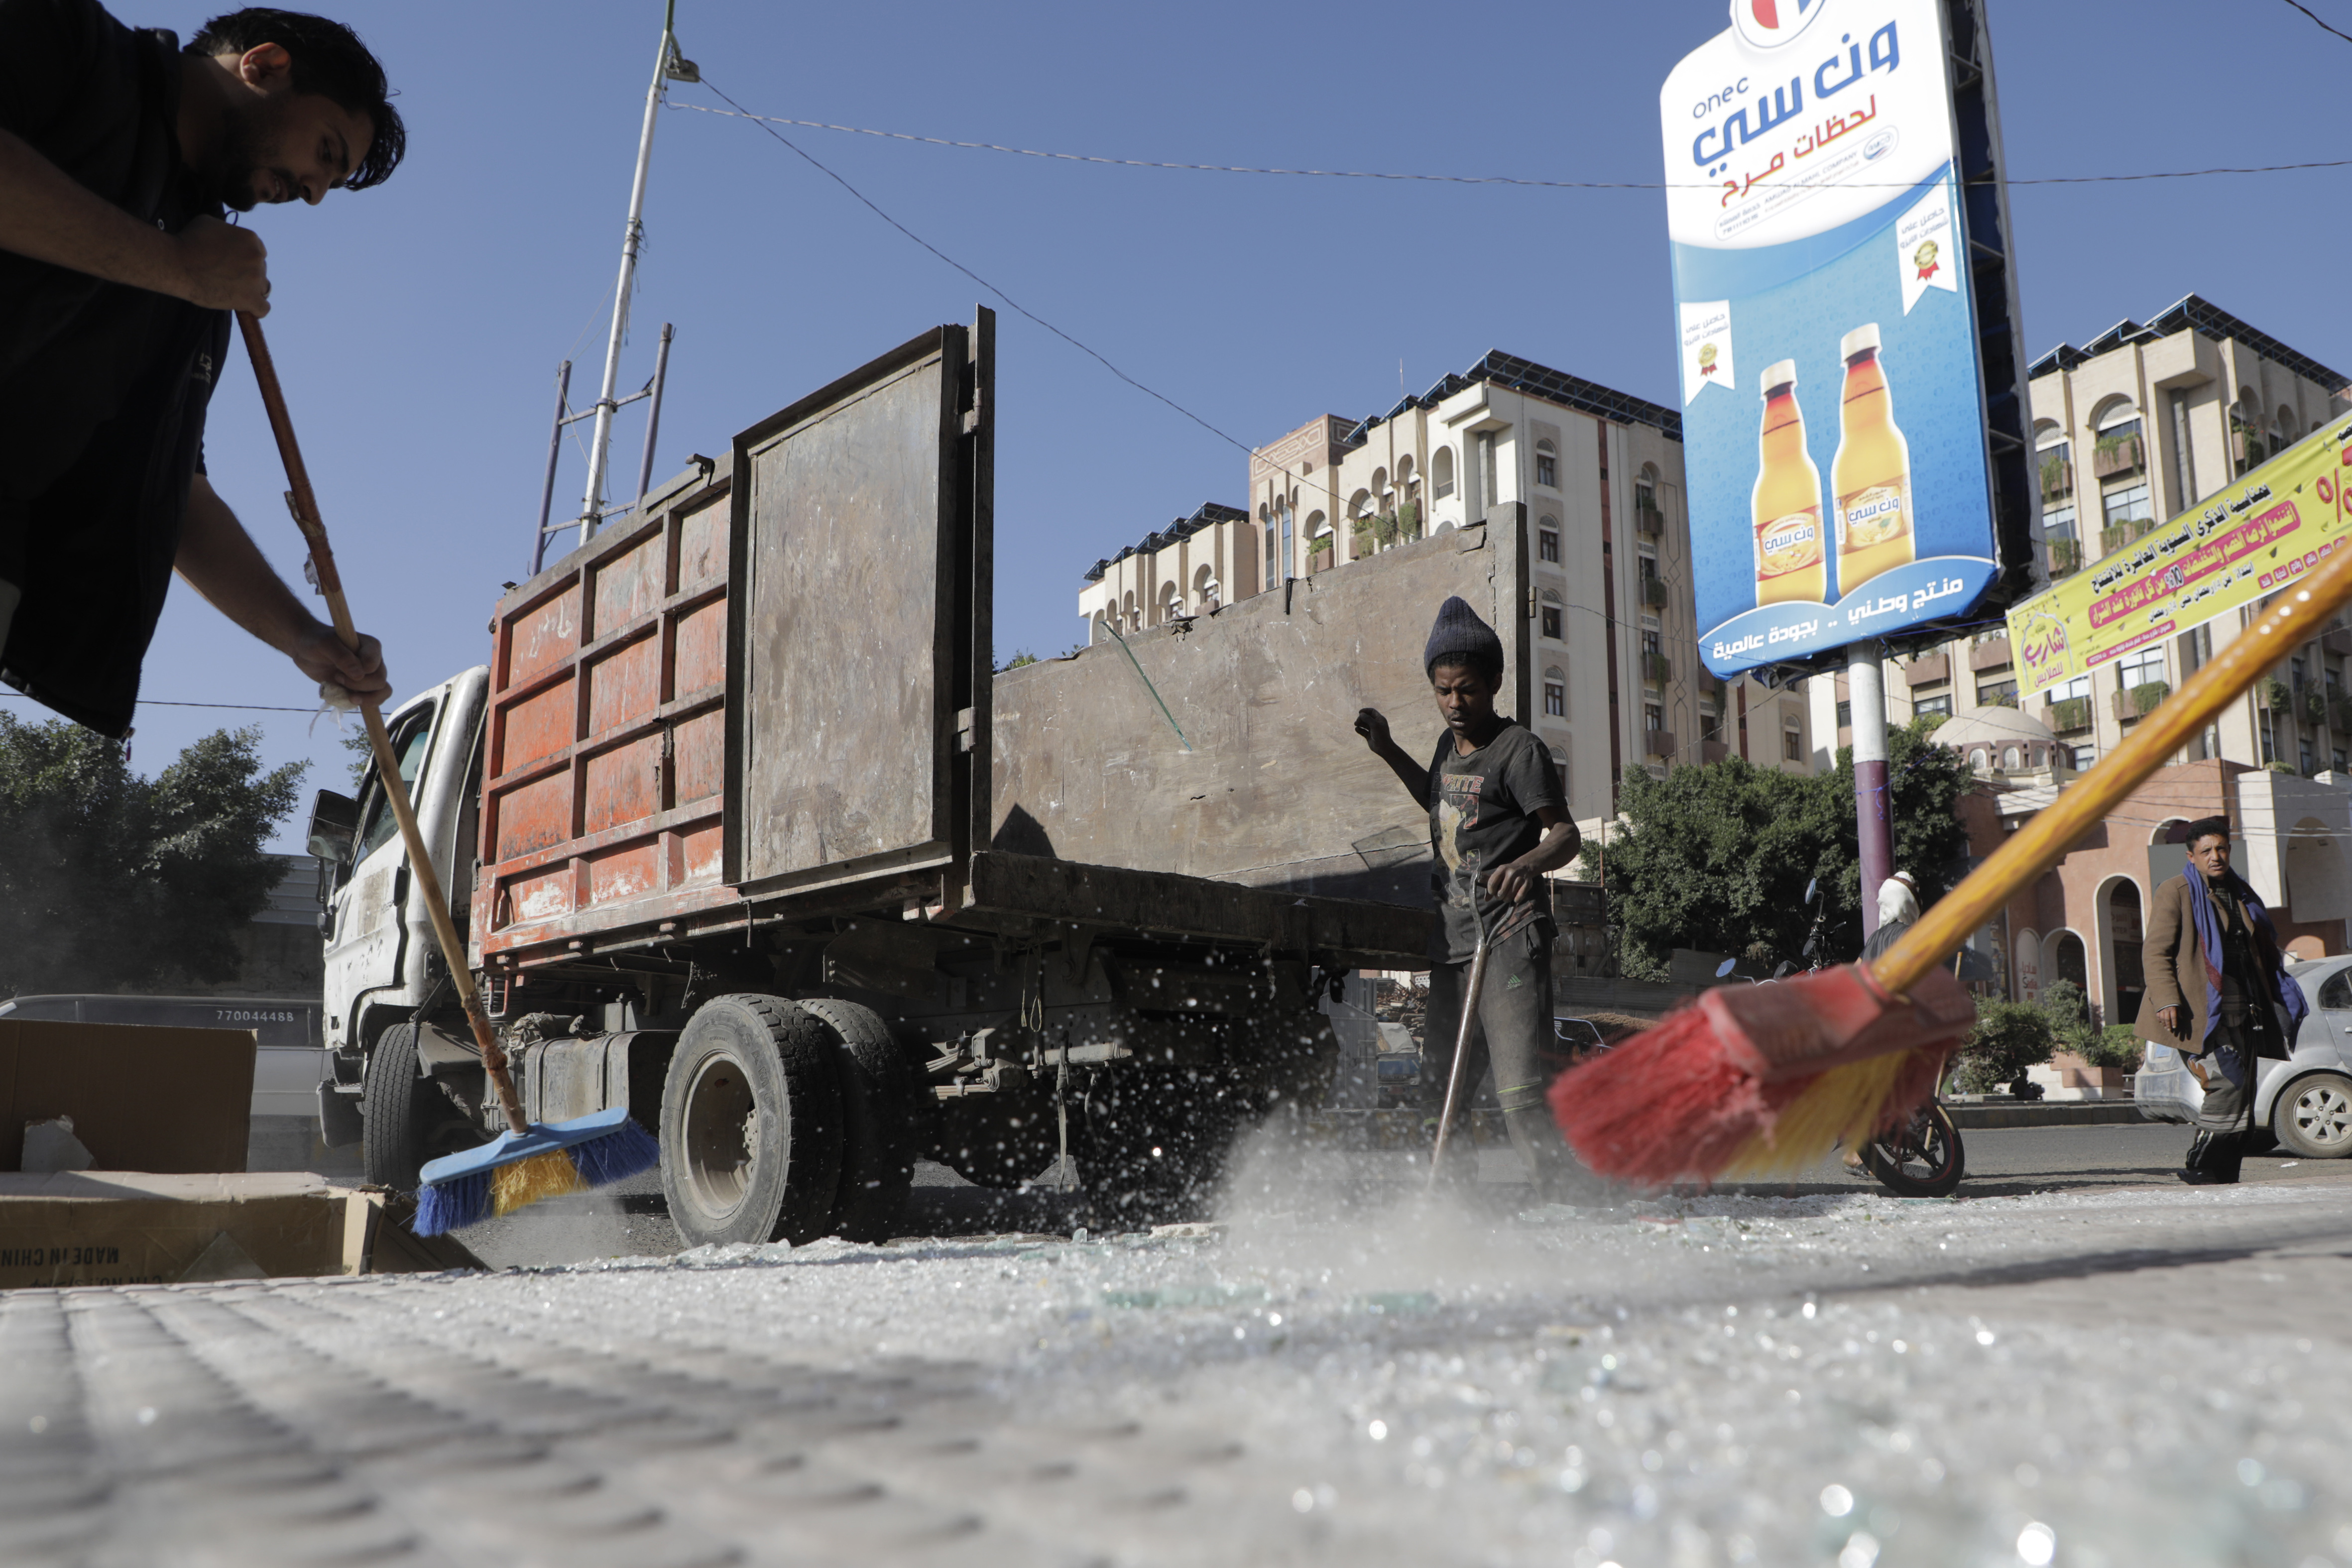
x=2261 y=533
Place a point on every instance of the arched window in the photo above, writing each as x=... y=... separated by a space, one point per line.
x=1549 y=618
x=1322 y=548
x=1559 y=766
x=1441 y=474
x=1555 y=692
x=2119 y=458
x=1359 y=504
x=2247 y=447
x=1172 y=603
x=1547 y=540
x=1204 y=588
x=1547 y=462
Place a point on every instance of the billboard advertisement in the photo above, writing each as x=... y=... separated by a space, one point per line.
x=1833 y=413
x=2251 y=539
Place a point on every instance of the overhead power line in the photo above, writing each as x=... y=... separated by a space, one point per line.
x=1011 y=303
x=2323 y=26
x=740 y=112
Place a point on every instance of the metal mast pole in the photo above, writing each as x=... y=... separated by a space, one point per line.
x=667 y=66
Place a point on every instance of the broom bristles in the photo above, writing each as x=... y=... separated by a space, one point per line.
x=1841 y=1105
x=1685 y=1102
x=443 y=1206
x=629 y=1150
x=1666 y=1105
x=515 y=1170
x=525 y=1182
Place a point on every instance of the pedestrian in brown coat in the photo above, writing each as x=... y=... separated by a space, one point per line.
x=2217 y=993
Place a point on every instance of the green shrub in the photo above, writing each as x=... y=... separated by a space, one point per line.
x=2009 y=1037
x=2113 y=1046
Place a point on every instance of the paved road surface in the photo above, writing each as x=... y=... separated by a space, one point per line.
x=2093 y=1373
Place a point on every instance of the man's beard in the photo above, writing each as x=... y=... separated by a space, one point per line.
x=228 y=175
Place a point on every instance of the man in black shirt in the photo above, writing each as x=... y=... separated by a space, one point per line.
x=118 y=152
x=1497 y=823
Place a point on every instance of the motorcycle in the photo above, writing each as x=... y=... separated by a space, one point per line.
x=1923 y=1157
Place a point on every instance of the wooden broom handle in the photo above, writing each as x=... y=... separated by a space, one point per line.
x=2295 y=615
x=387 y=766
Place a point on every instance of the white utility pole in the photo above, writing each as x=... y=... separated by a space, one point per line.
x=668 y=67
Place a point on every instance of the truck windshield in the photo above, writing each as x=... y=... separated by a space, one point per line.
x=409 y=738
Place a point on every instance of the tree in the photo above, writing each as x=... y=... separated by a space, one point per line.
x=2009 y=1037
x=1716 y=857
x=109 y=880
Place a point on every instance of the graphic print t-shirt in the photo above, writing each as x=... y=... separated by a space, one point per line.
x=1482 y=814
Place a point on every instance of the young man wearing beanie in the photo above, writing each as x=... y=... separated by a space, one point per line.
x=1497 y=823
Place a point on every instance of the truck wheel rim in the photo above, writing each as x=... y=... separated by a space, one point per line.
x=2322 y=1114
x=721 y=1120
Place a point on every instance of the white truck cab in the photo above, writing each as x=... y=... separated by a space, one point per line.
x=381 y=963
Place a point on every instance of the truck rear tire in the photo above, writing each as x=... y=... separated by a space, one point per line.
x=878 y=1111
x=750 y=1123
x=406 y=1119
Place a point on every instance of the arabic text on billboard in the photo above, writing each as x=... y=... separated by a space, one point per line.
x=1832 y=424
x=2252 y=539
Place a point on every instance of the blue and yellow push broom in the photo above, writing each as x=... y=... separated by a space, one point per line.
x=530 y=1161
x=1762 y=1079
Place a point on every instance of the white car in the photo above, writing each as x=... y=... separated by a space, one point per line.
x=2306 y=1100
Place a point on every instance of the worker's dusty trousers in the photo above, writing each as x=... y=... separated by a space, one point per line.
x=1514 y=1033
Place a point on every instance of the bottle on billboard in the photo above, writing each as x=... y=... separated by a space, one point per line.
x=1787 y=503
x=1871 y=475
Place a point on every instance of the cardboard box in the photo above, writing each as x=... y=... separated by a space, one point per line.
x=135 y=1227
x=142 y=1098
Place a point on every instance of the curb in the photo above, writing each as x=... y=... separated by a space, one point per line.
x=2085 y=1113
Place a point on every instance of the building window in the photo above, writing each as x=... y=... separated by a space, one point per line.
x=1652 y=644
x=1997 y=693
x=1939 y=705
x=1845 y=716
x=2146 y=667
x=1547 y=465
x=1272 y=572
x=1793 y=745
x=1551 y=621
x=1559 y=766
x=1440 y=473
x=1555 y=699
x=2127 y=516
x=2303 y=748
x=1289 y=559
x=1548 y=545
x=1653 y=716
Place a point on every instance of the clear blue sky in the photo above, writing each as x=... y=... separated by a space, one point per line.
x=418 y=326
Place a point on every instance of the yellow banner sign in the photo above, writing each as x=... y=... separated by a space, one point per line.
x=2264 y=530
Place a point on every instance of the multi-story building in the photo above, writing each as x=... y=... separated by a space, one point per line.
x=1593 y=480
x=2135 y=427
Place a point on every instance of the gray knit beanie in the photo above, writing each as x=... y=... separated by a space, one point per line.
x=1459 y=637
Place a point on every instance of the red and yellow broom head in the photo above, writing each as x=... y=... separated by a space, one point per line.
x=1752 y=1080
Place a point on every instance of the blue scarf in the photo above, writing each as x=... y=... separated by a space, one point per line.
x=2208 y=949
